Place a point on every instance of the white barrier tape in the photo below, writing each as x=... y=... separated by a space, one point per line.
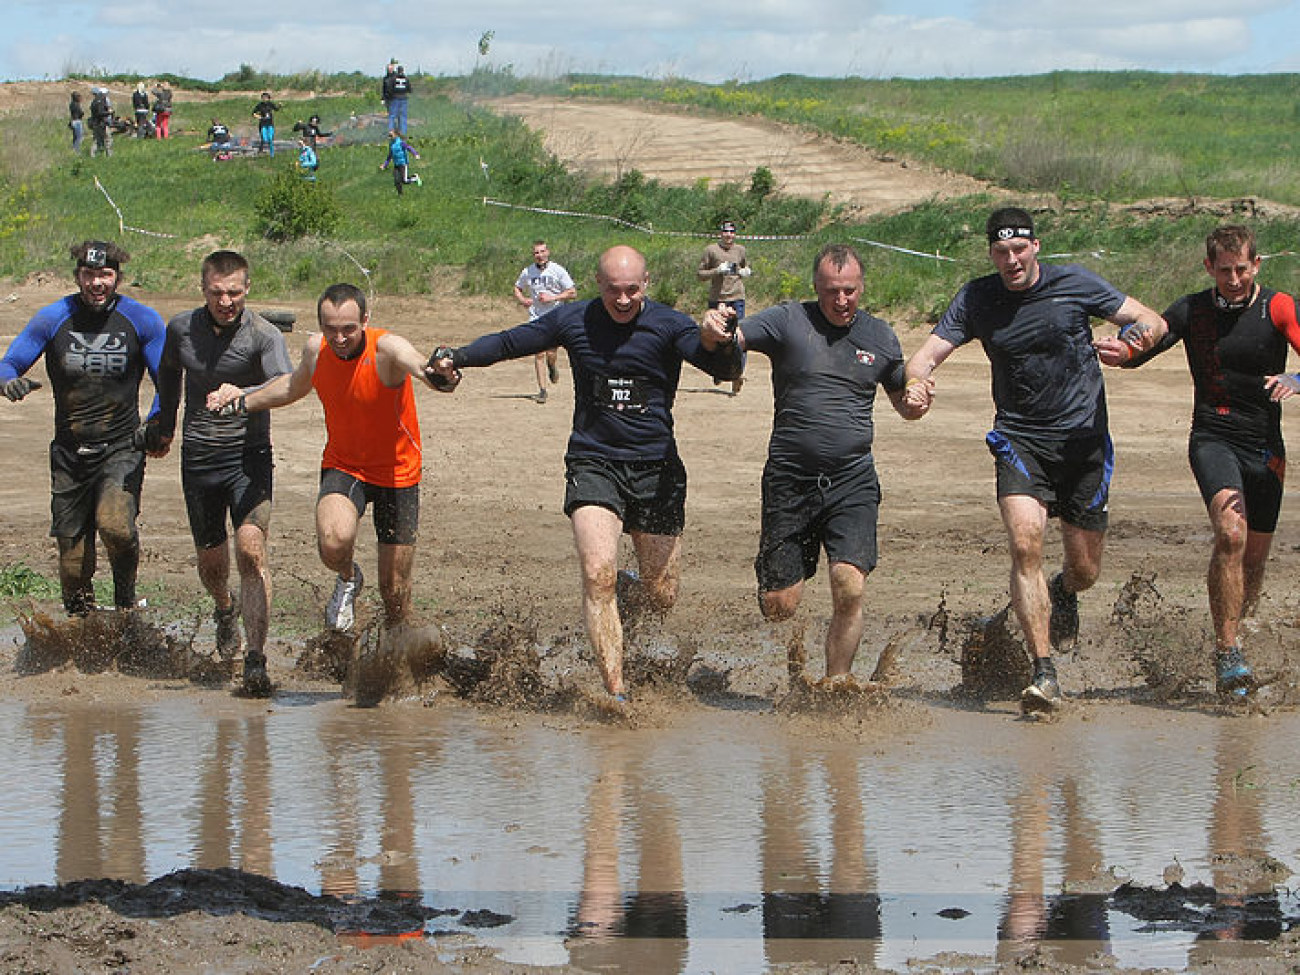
x=488 y=201
x=121 y=222
x=936 y=256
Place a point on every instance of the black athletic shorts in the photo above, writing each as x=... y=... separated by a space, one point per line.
x=649 y=496
x=802 y=514
x=397 y=510
x=81 y=475
x=241 y=490
x=1258 y=473
x=1070 y=477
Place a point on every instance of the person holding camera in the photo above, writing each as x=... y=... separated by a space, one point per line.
x=725 y=265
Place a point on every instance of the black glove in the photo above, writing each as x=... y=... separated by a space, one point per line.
x=16 y=389
x=149 y=437
x=438 y=380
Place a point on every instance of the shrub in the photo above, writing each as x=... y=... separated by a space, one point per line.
x=289 y=207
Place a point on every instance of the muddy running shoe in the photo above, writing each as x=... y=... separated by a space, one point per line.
x=1063 y=627
x=1232 y=676
x=553 y=371
x=340 y=614
x=228 y=641
x=257 y=682
x=541 y=396
x=1043 y=692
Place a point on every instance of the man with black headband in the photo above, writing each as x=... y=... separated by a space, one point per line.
x=374 y=455
x=1050 y=439
x=1236 y=335
x=97 y=345
x=225 y=461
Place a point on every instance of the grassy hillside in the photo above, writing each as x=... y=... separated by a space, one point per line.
x=1088 y=139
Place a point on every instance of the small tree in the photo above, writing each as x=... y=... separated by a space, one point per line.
x=289 y=207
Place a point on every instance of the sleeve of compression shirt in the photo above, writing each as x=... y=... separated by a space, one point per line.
x=24 y=350
x=1283 y=312
x=152 y=331
x=528 y=339
x=169 y=385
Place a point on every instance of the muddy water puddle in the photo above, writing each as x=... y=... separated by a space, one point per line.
x=721 y=842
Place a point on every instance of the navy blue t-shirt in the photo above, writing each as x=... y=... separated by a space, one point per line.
x=1046 y=377
x=625 y=377
x=824 y=380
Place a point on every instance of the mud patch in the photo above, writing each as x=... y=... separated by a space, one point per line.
x=124 y=641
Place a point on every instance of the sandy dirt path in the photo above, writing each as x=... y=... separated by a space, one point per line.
x=680 y=148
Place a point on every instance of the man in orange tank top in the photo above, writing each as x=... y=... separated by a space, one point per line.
x=372 y=456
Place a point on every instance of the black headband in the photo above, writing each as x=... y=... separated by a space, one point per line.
x=1007 y=233
x=97 y=257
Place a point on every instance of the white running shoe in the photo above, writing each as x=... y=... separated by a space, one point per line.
x=340 y=614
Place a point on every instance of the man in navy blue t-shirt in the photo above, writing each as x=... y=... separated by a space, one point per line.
x=1050 y=438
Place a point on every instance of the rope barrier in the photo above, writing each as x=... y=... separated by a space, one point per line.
x=122 y=226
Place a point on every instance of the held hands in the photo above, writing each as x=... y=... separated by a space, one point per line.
x=1112 y=351
x=16 y=389
x=227 y=400
x=149 y=438
x=918 y=397
x=1282 y=386
x=718 y=327
x=442 y=371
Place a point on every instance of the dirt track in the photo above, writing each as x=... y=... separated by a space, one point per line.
x=679 y=149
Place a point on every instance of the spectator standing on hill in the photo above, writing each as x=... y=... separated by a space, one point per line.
x=820 y=489
x=1236 y=336
x=140 y=106
x=264 y=111
x=396 y=93
x=725 y=266
x=97 y=346
x=1050 y=440
x=162 y=110
x=101 y=122
x=400 y=154
x=540 y=287
x=76 y=116
x=226 y=461
x=622 y=469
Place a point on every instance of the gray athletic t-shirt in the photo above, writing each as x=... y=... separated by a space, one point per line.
x=824 y=380
x=1046 y=378
x=247 y=355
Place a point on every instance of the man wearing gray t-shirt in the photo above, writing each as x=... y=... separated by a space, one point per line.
x=820 y=489
x=225 y=460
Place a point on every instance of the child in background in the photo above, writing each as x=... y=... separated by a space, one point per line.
x=400 y=153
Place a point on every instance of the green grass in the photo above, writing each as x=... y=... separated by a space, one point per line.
x=1091 y=139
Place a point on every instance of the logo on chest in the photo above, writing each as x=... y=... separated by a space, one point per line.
x=865 y=357
x=96 y=354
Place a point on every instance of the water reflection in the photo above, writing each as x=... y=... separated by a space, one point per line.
x=722 y=842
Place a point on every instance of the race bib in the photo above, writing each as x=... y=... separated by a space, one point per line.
x=622 y=395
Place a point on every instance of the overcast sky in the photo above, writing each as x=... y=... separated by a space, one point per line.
x=724 y=39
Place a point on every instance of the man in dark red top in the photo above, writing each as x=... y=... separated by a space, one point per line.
x=1236 y=336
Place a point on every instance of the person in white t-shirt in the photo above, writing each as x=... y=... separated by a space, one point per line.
x=540 y=287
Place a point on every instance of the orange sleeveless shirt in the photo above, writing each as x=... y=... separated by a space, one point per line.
x=374 y=431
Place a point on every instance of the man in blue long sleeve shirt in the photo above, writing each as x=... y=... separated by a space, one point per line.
x=97 y=345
